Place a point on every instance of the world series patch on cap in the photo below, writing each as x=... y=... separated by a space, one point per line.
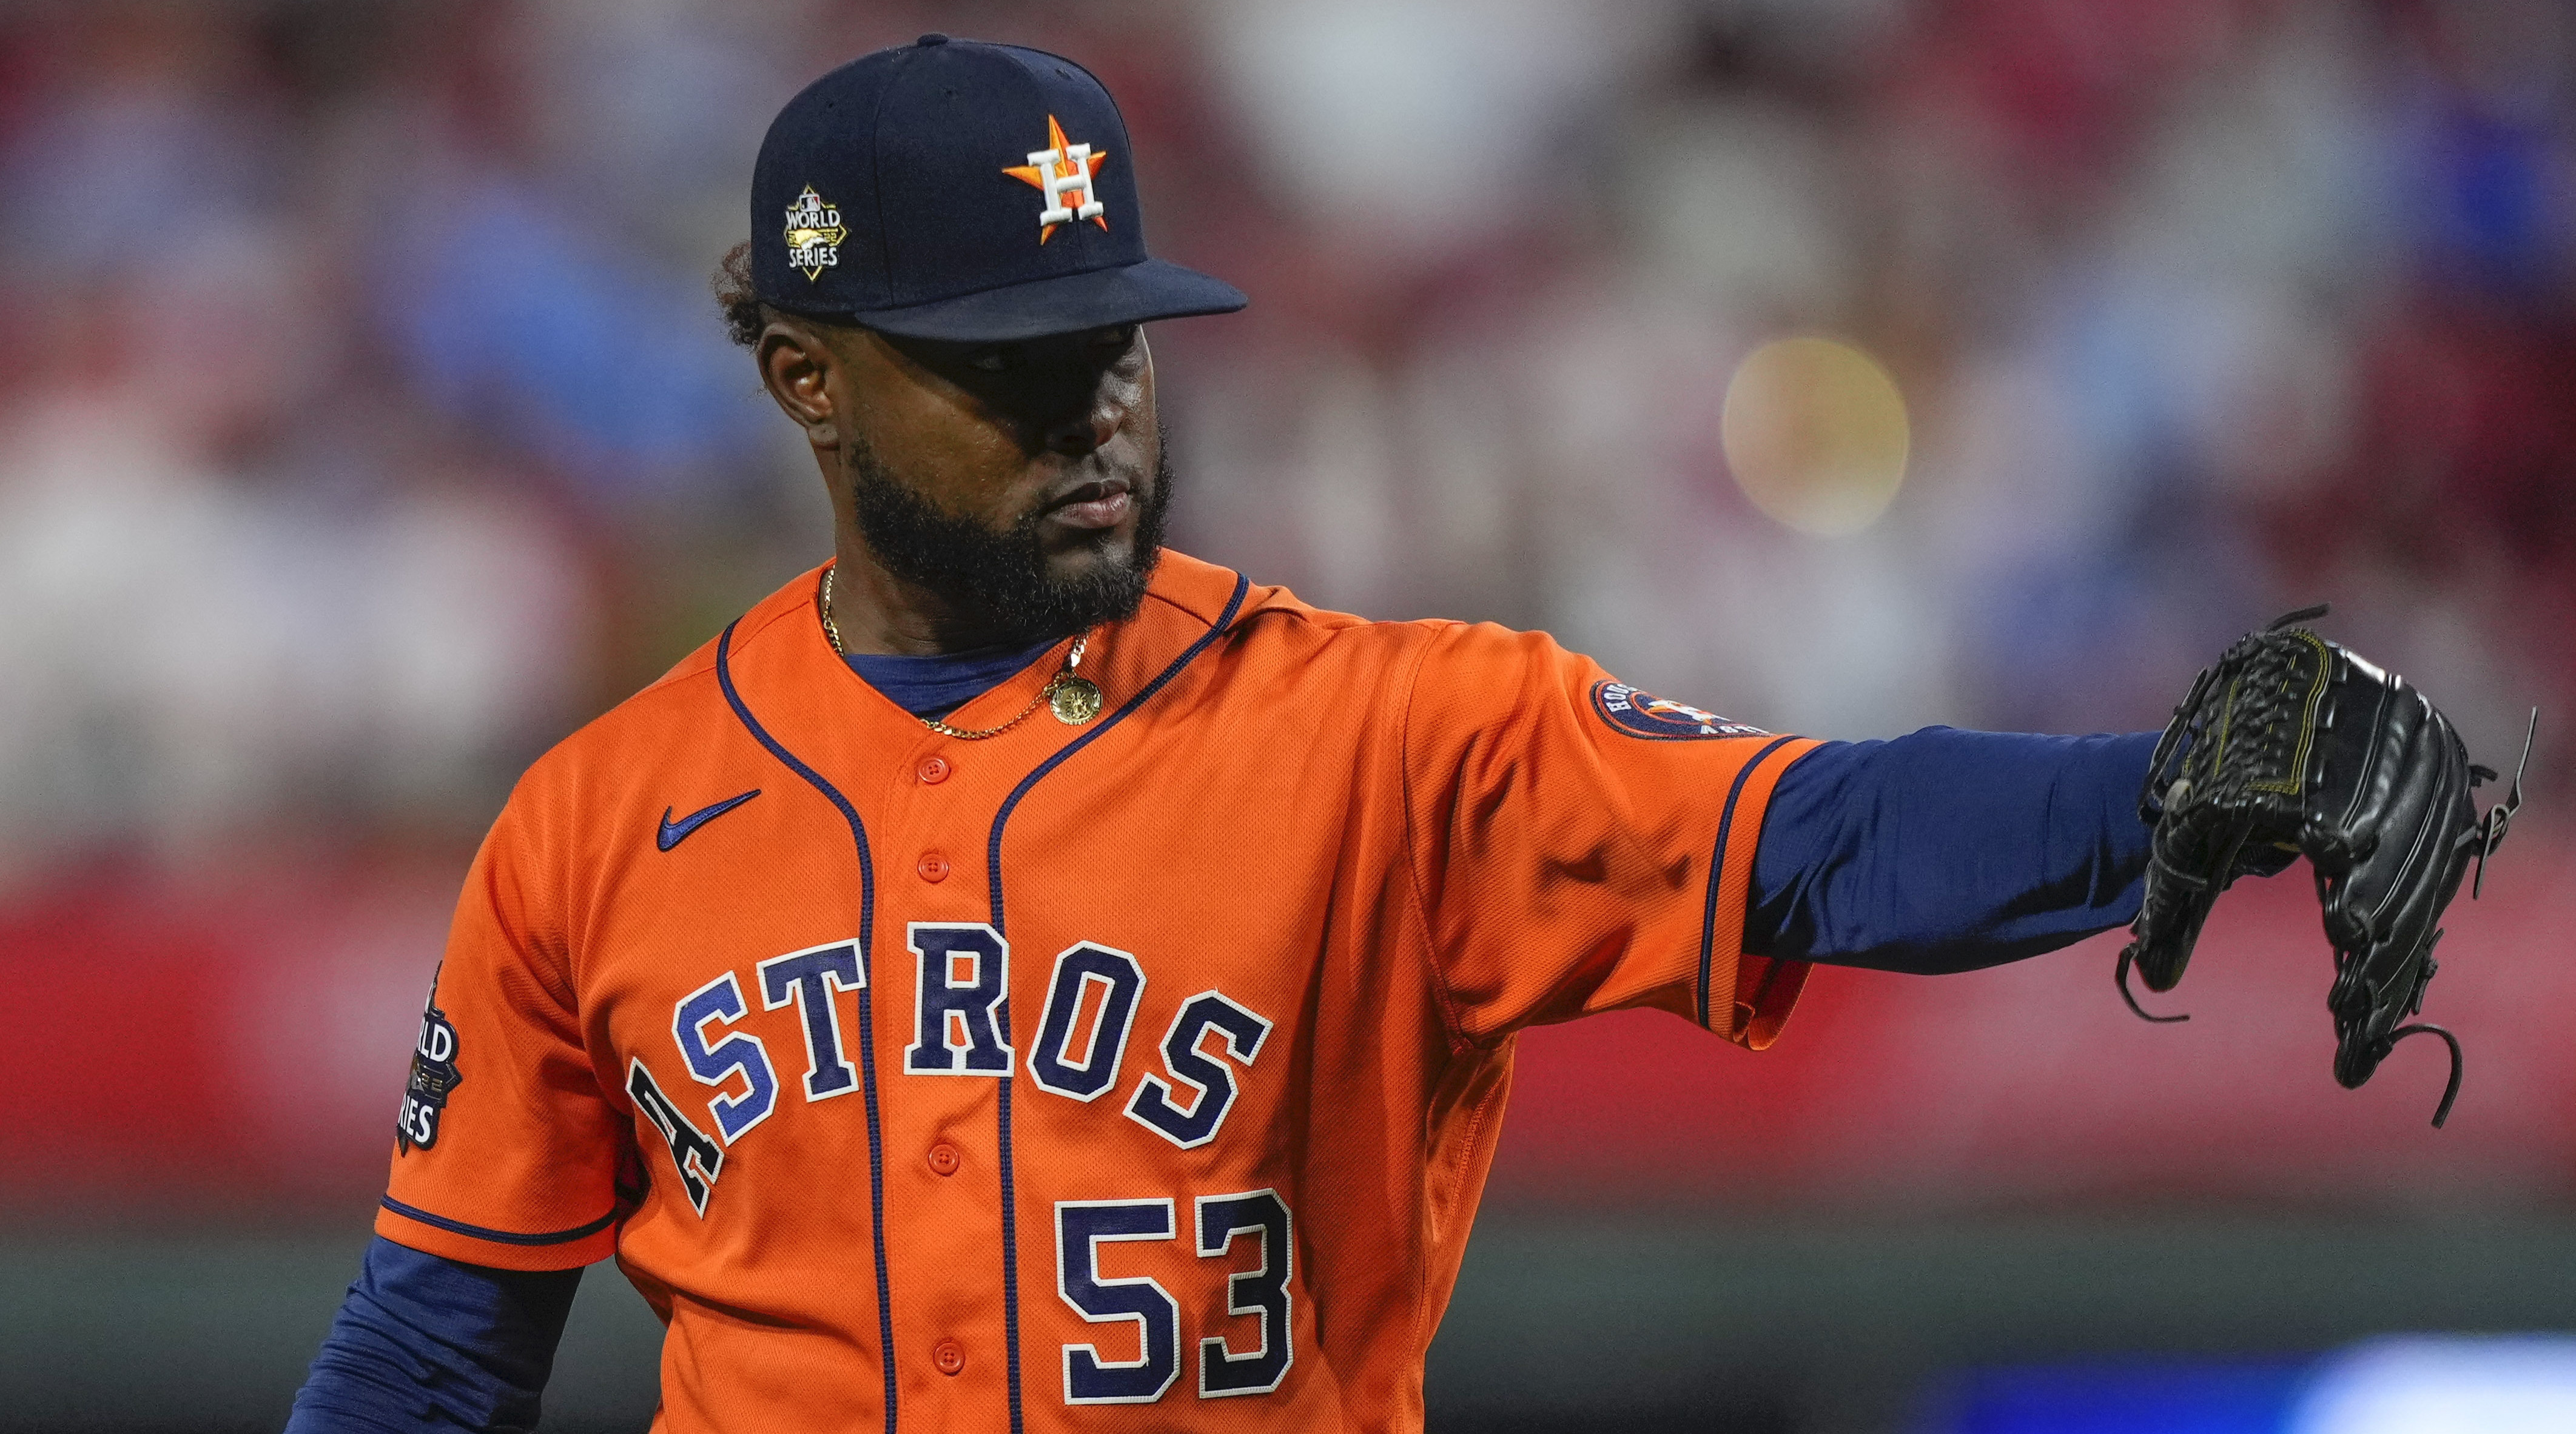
x=952 y=189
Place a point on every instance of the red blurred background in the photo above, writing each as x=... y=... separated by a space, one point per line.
x=365 y=426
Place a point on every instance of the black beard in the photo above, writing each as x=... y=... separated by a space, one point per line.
x=1004 y=570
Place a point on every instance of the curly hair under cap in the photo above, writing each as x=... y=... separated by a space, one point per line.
x=744 y=314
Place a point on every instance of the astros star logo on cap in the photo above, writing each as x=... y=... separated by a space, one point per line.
x=1064 y=171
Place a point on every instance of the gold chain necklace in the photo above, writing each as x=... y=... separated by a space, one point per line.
x=1075 y=700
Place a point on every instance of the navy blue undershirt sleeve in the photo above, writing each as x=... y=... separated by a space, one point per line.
x=1946 y=850
x=424 y=1343
x=937 y=685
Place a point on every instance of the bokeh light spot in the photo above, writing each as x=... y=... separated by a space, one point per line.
x=1815 y=434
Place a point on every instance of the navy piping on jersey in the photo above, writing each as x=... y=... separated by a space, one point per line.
x=1717 y=873
x=499 y=1237
x=993 y=872
x=867 y=988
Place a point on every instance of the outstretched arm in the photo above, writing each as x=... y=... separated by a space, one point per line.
x=1946 y=850
x=427 y=1343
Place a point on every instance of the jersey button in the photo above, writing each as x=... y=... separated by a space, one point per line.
x=944 y=1158
x=948 y=1356
x=932 y=771
x=932 y=866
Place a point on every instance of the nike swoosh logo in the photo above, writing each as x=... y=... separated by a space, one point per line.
x=673 y=833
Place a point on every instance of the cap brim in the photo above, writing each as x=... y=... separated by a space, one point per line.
x=1063 y=304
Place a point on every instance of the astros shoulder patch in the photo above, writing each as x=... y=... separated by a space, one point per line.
x=1643 y=714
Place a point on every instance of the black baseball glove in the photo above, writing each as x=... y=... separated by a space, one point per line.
x=2291 y=745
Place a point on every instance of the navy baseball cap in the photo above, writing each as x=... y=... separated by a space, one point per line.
x=951 y=189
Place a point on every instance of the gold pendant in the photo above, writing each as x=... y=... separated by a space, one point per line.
x=1075 y=700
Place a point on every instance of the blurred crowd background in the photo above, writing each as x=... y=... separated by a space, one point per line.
x=1843 y=365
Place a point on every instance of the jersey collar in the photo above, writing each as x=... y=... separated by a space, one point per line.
x=806 y=695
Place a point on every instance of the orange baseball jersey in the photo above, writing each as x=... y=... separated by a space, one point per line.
x=1142 y=1073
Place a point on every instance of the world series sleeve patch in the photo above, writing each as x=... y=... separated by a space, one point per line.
x=433 y=1076
x=1643 y=714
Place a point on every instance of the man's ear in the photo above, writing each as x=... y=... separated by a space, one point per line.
x=796 y=366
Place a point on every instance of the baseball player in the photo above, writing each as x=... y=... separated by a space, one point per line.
x=1014 y=977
